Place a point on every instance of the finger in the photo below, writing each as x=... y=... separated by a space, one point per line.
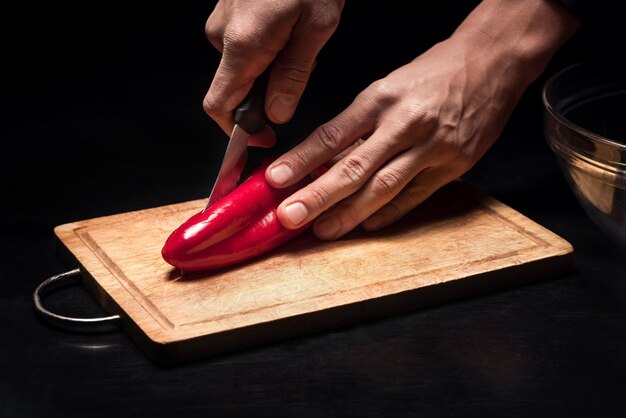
x=232 y=81
x=382 y=187
x=250 y=41
x=334 y=160
x=294 y=64
x=324 y=143
x=249 y=44
x=415 y=193
x=339 y=182
x=290 y=74
x=265 y=138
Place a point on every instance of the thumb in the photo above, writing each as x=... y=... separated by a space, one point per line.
x=295 y=61
x=290 y=74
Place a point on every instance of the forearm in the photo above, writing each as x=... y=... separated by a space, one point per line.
x=517 y=36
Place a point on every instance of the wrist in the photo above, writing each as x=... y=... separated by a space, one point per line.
x=517 y=36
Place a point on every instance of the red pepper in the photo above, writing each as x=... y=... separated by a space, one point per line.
x=241 y=225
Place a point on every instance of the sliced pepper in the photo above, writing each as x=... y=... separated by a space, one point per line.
x=240 y=226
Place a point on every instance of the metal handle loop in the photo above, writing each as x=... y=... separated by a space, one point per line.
x=88 y=325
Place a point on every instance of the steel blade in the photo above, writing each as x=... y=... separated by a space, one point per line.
x=232 y=166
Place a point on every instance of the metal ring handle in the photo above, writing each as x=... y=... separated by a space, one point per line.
x=90 y=325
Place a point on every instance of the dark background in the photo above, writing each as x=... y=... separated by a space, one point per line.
x=102 y=114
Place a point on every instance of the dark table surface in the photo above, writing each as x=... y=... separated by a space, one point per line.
x=119 y=126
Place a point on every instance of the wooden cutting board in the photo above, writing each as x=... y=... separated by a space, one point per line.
x=457 y=244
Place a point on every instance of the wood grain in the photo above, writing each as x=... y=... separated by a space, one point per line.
x=458 y=244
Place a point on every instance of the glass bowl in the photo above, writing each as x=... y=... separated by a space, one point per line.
x=585 y=126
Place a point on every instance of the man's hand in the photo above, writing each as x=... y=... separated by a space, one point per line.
x=424 y=124
x=252 y=34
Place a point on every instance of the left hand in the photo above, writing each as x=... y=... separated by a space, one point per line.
x=423 y=125
x=426 y=124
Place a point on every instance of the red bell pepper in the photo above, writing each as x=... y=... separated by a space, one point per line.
x=241 y=225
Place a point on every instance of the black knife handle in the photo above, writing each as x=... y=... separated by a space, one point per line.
x=250 y=114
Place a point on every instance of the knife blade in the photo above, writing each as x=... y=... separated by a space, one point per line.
x=249 y=119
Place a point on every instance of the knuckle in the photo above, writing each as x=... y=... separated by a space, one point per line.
x=353 y=169
x=383 y=92
x=213 y=32
x=387 y=183
x=321 y=197
x=295 y=74
x=420 y=113
x=326 y=18
x=329 y=137
x=368 y=102
x=239 y=37
x=418 y=117
x=211 y=105
x=298 y=160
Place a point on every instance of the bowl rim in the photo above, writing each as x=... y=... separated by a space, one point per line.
x=568 y=123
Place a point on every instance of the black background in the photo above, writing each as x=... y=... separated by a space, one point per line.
x=101 y=114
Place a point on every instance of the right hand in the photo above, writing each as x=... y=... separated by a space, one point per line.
x=251 y=35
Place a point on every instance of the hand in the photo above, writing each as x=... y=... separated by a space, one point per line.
x=420 y=127
x=402 y=138
x=252 y=34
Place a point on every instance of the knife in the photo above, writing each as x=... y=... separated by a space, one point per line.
x=249 y=119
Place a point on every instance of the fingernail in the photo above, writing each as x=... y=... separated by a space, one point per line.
x=373 y=222
x=281 y=174
x=327 y=227
x=296 y=213
x=281 y=107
